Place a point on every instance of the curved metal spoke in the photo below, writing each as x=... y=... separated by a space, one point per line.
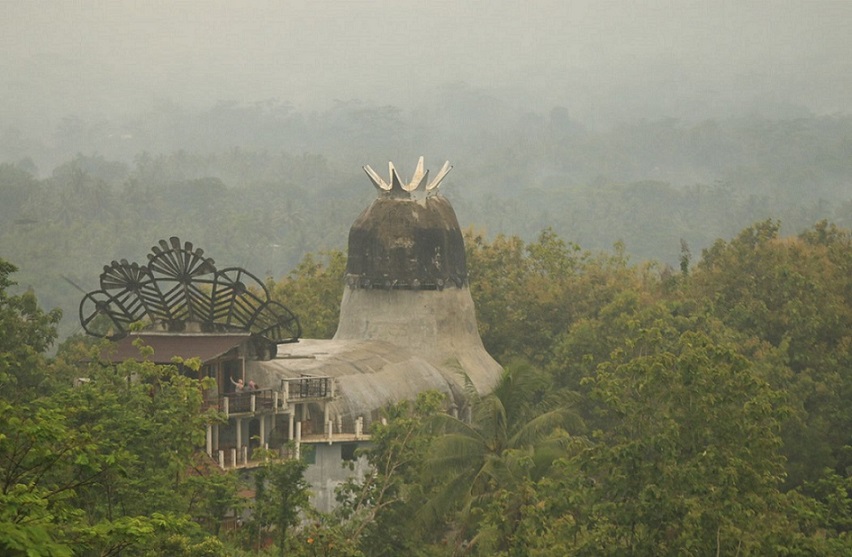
x=180 y=285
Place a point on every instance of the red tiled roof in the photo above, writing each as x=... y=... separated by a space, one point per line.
x=166 y=346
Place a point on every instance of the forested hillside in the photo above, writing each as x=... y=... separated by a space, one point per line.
x=645 y=410
x=656 y=202
x=261 y=185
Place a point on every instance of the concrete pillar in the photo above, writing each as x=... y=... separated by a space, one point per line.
x=234 y=458
x=210 y=439
x=215 y=437
x=298 y=439
x=244 y=455
x=290 y=425
x=225 y=405
x=262 y=429
x=253 y=403
x=239 y=432
x=221 y=458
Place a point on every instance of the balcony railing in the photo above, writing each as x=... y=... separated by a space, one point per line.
x=243 y=402
x=300 y=389
x=244 y=456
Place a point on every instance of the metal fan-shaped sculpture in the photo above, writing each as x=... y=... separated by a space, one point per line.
x=180 y=286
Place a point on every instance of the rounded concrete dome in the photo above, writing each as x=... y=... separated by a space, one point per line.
x=405 y=243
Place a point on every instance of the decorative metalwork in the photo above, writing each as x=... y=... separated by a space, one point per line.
x=180 y=286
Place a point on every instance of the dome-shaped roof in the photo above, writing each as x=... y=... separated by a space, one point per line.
x=404 y=243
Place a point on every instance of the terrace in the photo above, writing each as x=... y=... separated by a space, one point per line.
x=252 y=414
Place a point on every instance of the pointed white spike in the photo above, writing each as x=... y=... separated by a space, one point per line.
x=376 y=179
x=437 y=181
x=418 y=178
x=396 y=183
x=420 y=183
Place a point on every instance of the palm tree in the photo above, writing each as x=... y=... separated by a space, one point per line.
x=514 y=434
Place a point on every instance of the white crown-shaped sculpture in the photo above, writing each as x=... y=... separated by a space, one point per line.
x=419 y=186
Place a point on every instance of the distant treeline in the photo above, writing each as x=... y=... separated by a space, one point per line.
x=261 y=185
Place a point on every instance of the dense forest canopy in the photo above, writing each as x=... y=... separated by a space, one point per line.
x=644 y=410
x=657 y=203
x=261 y=185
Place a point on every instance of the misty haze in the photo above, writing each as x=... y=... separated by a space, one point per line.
x=619 y=168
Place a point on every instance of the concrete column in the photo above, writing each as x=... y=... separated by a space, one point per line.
x=234 y=458
x=262 y=429
x=225 y=405
x=290 y=425
x=239 y=432
x=215 y=437
x=298 y=439
x=221 y=459
x=210 y=439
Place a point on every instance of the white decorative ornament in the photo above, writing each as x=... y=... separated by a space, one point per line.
x=415 y=187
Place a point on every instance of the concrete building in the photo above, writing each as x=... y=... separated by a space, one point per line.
x=407 y=325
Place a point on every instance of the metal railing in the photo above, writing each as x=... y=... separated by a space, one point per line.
x=241 y=402
x=299 y=388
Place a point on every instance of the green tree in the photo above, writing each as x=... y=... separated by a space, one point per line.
x=795 y=294
x=528 y=295
x=377 y=513
x=100 y=468
x=689 y=462
x=26 y=332
x=514 y=434
x=281 y=494
x=313 y=291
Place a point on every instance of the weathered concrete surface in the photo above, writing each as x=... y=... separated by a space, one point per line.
x=407 y=320
x=390 y=346
x=370 y=374
x=404 y=243
x=437 y=325
x=329 y=471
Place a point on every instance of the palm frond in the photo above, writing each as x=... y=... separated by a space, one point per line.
x=490 y=419
x=455 y=450
x=545 y=424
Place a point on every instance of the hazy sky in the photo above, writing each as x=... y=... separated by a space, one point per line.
x=593 y=57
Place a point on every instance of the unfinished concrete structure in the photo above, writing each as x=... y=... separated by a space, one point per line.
x=407 y=320
x=407 y=325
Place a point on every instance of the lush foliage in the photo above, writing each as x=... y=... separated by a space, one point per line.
x=105 y=467
x=260 y=186
x=644 y=411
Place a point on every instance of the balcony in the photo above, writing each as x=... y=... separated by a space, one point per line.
x=273 y=401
